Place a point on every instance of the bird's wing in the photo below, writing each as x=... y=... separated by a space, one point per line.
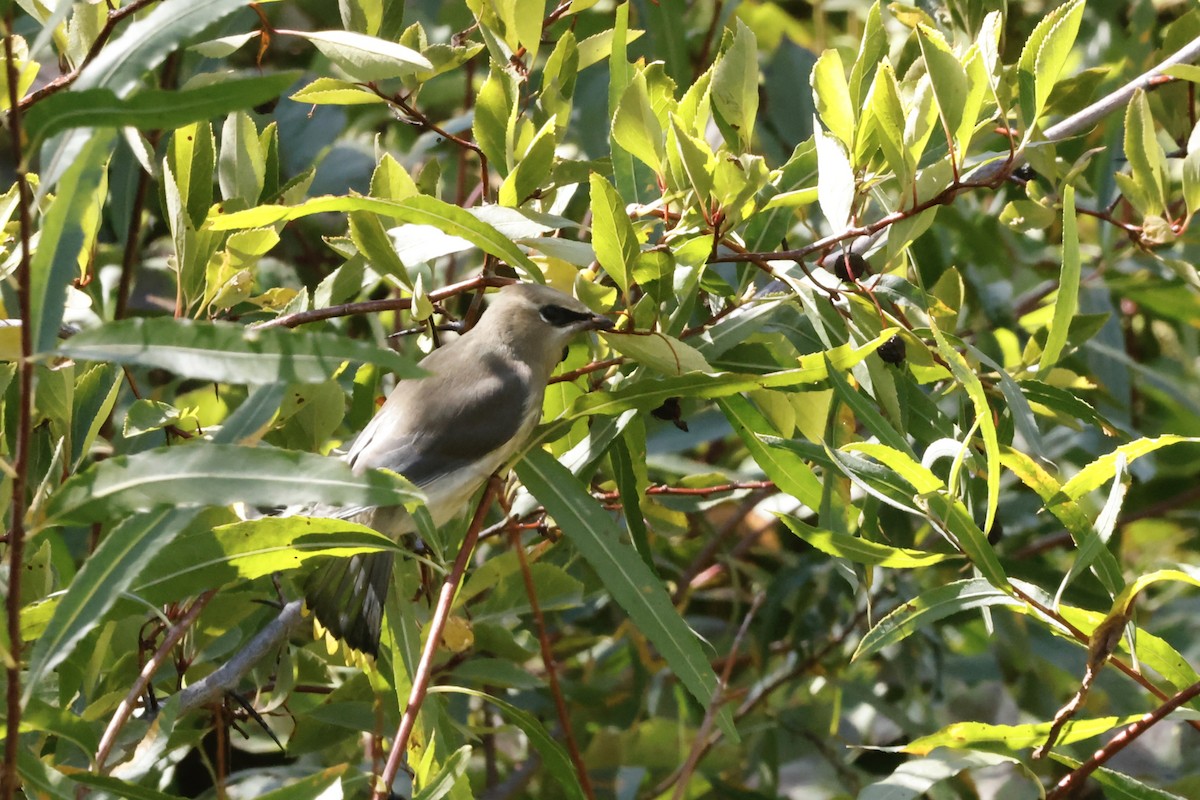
x=433 y=426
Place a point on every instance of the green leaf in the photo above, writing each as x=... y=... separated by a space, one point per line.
x=366 y=58
x=903 y=462
x=983 y=414
x=1067 y=299
x=443 y=782
x=948 y=78
x=373 y=242
x=554 y=755
x=861 y=551
x=66 y=231
x=1043 y=57
x=592 y=532
x=695 y=159
x=105 y=575
x=613 y=236
x=1191 y=172
x=867 y=413
x=953 y=517
x=1102 y=470
x=1118 y=786
x=421 y=209
x=888 y=114
x=984 y=736
x=191 y=161
x=647 y=394
x=735 y=86
x=151 y=109
x=791 y=473
x=1146 y=158
x=494 y=109
x=531 y=170
x=832 y=96
x=636 y=127
x=229 y=353
x=1102 y=562
x=920 y=612
x=242 y=164
x=202 y=473
x=664 y=354
x=120 y=788
x=331 y=91
x=210 y=557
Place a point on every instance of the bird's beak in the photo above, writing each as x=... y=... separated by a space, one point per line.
x=600 y=323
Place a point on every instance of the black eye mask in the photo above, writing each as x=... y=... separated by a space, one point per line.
x=561 y=317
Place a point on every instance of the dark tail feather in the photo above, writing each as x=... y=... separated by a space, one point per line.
x=347 y=597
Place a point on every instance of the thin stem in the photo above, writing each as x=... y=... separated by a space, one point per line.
x=437 y=625
x=16 y=532
x=1071 y=783
x=560 y=704
x=174 y=635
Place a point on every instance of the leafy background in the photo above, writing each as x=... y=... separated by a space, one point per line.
x=891 y=465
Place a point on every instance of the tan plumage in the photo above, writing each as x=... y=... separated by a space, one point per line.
x=447 y=433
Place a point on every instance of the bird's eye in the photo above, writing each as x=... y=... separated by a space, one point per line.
x=561 y=317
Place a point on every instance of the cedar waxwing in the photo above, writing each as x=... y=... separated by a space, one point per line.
x=448 y=432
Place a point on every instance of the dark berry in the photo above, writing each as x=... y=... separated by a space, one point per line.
x=850 y=266
x=671 y=412
x=892 y=351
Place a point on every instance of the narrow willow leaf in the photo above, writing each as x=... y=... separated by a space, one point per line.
x=651 y=393
x=592 y=532
x=229 y=353
x=953 y=516
x=66 y=230
x=1102 y=470
x=1067 y=300
x=152 y=109
x=1105 y=524
x=447 y=776
x=1118 y=786
x=983 y=414
x=872 y=51
x=105 y=575
x=832 y=95
x=1103 y=563
x=554 y=755
x=904 y=464
x=493 y=110
x=631 y=488
x=373 y=242
x=421 y=209
x=887 y=111
x=696 y=160
x=982 y=735
x=867 y=414
x=366 y=58
x=861 y=551
x=664 y=354
x=531 y=170
x=203 y=559
x=1043 y=57
x=613 y=237
x=200 y=473
x=922 y=611
x=789 y=471
x=1124 y=601
x=331 y=91
x=1146 y=158
x=619 y=72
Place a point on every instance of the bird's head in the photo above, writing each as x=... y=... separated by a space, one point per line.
x=537 y=322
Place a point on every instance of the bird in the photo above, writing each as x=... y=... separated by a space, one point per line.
x=447 y=432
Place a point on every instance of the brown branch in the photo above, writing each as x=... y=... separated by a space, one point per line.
x=1070 y=784
x=373 y=306
x=437 y=625
x=560 y=704
x=64 y=81
x=9 y=778
x=719 y=698
x=586 y=369
x=125 y=709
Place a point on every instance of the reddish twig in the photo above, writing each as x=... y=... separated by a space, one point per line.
x=63 y=81
x=437 y=625
x=1074 y=780
x=560 y=704
x=16 y=533
x=125 y=709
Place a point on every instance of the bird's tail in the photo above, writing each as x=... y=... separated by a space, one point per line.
x=347 y=597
